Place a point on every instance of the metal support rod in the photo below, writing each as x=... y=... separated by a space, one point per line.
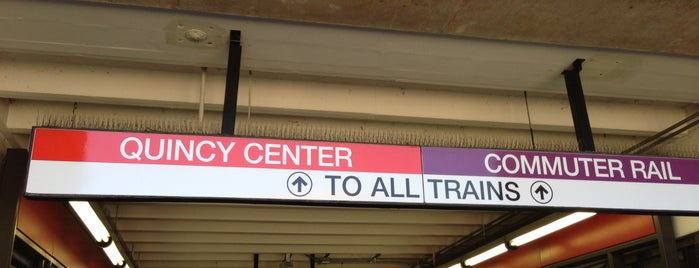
x=667 y=245
x=230 y=101
x=202 y=97
x=312 y=259
x=11 y=186
x=664 y=135
x=578 y=108
x=256 y=260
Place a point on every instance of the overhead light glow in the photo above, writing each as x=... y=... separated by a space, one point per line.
x=497 y=250
x=89 y=218
x=550 y=228
x=457 y=265
x=528 y=237
x=114 y=255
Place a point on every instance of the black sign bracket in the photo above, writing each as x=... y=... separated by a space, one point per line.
x=230 y=101
x=578 y=108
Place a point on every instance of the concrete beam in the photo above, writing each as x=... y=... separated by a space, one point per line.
x=101 y=32
x=134 y=87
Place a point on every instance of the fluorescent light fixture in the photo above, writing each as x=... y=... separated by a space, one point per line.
x=97 y=229
x=550 y=228
x=114 y=255
x=89 y=218
x=457 y=265
x=528 y=237
x=497 y=250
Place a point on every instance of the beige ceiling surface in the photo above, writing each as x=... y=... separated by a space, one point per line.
x=652 y=26
x=227 y=235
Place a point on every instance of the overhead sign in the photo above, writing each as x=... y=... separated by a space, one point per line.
x=79 y=163
x=102 y=164
x=477 y=177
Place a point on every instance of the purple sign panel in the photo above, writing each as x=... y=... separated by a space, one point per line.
x=548 y=165
x=575 y=180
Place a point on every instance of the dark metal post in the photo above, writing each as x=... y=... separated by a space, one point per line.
x=11 y=187
x=256 y=260
x=666 y=241
x=578 y=108
x=312 y=258
x=230 y=101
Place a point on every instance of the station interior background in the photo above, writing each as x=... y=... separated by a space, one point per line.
x=463 y=74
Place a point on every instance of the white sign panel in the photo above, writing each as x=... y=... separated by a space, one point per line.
x=101 y=164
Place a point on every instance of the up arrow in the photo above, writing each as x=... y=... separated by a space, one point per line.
x=299 y=182
x=539 y=190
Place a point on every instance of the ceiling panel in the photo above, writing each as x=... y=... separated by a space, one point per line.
x=292 y=227
x=265 y=238
x=227 y=235
x=272 y=213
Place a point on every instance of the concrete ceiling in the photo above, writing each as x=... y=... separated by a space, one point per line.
x=649 y=26
x=350 y=54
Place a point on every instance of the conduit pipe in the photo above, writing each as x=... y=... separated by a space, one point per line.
x=664 y=135
x=202 y=92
